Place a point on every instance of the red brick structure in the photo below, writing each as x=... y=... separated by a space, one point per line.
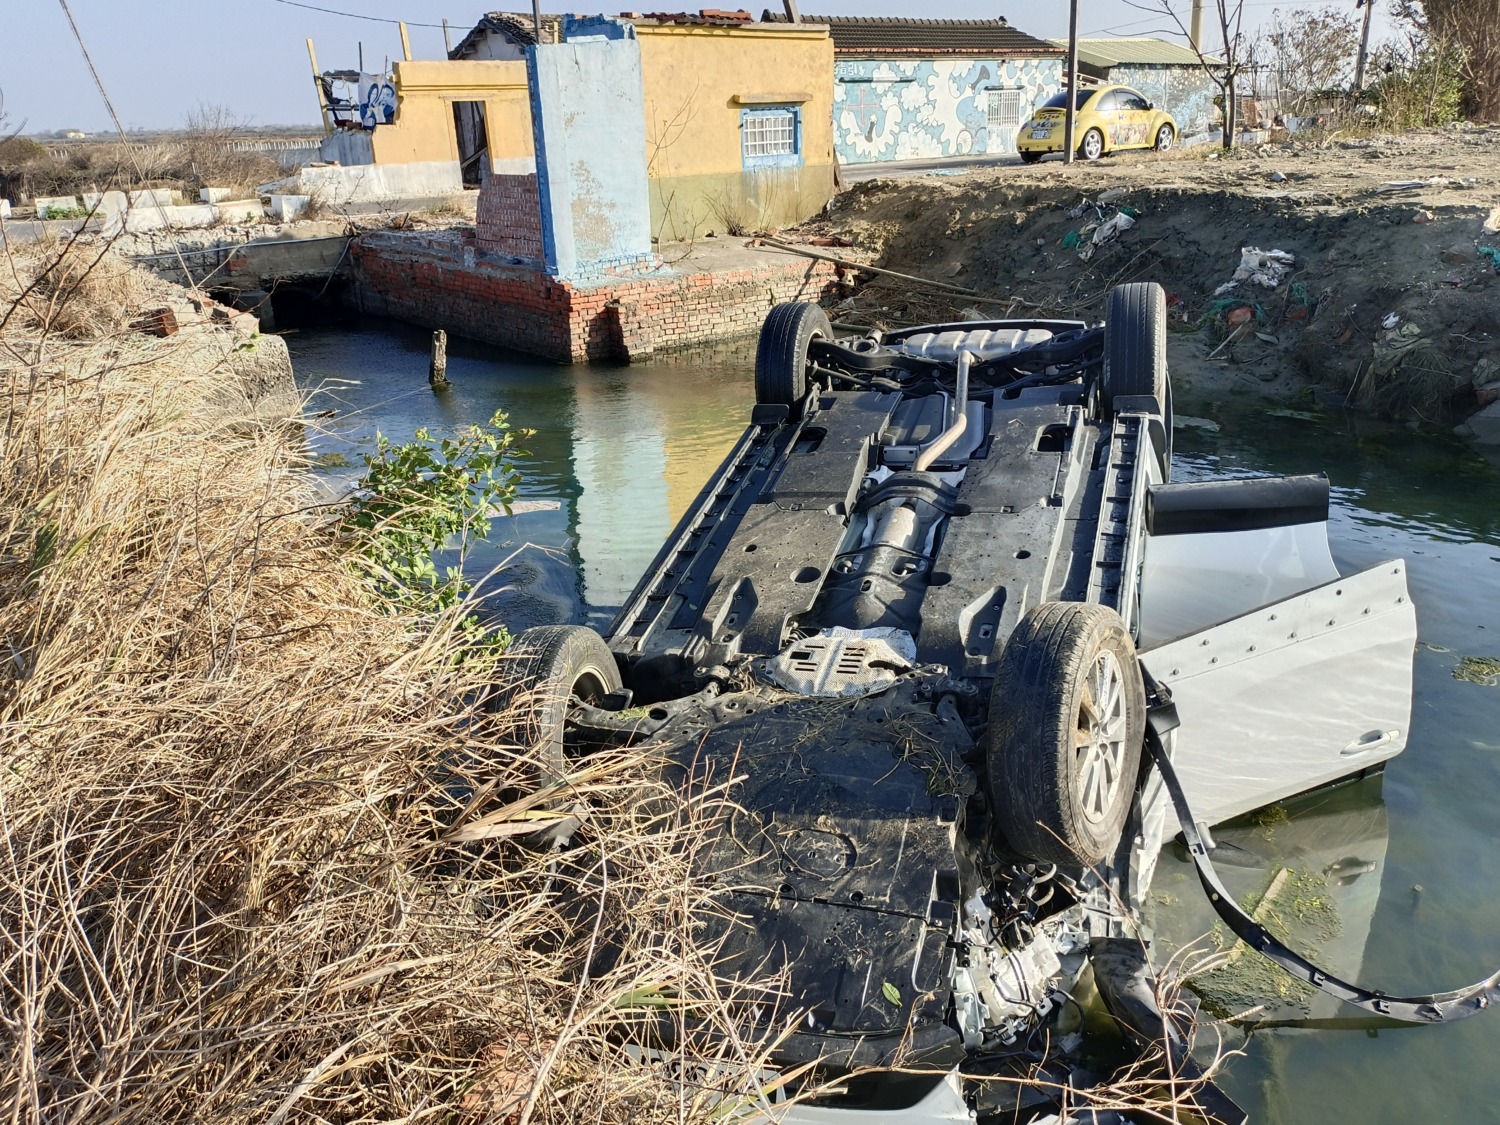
x=442 y=280
x=508 y=217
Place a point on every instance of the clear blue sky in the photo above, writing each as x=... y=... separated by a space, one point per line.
x=159 y=60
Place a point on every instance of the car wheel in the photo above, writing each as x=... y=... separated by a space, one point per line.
x=1030 y=157
x=1164 y=138
x=1092 y=145
x=1135 y=355
x=1067 y=717
x=544 y=671
x=781 y=355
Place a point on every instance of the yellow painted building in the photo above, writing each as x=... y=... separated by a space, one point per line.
x=739 y=116
x=435 y=97
x=739 y=124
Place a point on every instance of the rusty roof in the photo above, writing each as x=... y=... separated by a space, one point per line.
x=879 y=36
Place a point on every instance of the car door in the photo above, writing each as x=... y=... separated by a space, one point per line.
x=1132 y=119
x=1105 y=108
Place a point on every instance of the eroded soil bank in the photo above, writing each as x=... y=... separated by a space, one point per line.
x=1390 y=301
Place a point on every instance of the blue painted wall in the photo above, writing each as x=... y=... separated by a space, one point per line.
x=588 y=119
x=1183 y=91
x=885 y=110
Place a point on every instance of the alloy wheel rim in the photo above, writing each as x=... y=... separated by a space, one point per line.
x=1099 y=740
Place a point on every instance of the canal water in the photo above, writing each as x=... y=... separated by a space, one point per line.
x=1397 y=880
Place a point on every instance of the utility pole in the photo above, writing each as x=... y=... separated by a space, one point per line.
x=1364 y=46
x=1072 y=104
x=318 y=86
x=1195 y=32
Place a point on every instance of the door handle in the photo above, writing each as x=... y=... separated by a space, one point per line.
x=1371 y=741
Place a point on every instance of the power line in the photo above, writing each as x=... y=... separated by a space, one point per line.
x=354 y=15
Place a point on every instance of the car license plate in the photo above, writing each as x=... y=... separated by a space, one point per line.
x=1040 y=134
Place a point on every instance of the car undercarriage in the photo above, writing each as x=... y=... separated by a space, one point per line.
x=959 y=646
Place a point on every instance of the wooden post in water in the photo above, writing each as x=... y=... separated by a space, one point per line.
x=437 y=370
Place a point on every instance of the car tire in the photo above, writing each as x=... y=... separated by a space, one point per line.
x=1030 y=157
x=1067 y=719
x=544 y=669
x=1135 y=355
x=781 y=355
x=1164 y=138
x=1092 y=145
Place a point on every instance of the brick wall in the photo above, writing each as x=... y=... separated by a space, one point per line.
x=438 y=281
x=508 y=217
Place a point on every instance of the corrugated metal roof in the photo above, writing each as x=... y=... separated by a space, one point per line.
x=879 y=36
x=1132 y=51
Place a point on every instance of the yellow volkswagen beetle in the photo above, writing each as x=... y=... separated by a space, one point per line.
x=1109 y=118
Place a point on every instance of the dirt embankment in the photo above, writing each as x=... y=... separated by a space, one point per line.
x=1390 y=300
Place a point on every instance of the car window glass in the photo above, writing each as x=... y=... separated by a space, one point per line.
x=1107 y=102
x=1060 y=101
x=1129 y=99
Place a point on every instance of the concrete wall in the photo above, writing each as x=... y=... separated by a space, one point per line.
x=697 y=82
x=589 y=131
x=1183 y=91
x=885 y=110
x=364 y=182
x=423 y=131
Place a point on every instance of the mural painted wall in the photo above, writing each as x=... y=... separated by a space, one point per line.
x=884 y=110
x=1183 y=91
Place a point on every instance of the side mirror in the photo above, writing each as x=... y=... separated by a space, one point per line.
x=1150 y=105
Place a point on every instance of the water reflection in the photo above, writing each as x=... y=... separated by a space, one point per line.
x=617 y=455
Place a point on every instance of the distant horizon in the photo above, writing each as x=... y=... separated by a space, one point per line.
x=161 y=64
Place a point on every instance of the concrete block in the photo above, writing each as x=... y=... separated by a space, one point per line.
x=364 y=183
x=285 y=208
x=152 y=197
x=1483 y=427
x=108 y=202
x=170 y=218
x=45 y=205
x=240 y=211
x=4 y=208
x=214 y=194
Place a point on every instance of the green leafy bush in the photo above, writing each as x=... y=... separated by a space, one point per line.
x=425 y=495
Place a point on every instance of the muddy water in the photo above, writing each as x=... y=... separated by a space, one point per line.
x=1409 y=864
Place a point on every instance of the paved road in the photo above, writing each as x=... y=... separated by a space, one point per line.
x=899 y=169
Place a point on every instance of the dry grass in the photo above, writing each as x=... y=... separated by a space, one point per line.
x=230 y=889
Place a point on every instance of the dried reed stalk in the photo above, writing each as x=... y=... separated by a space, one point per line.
x=226 y=776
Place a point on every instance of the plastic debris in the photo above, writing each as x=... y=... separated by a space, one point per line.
x=1421 y=216
x=1492 y=254
x=1110 y=196
x=1266 y=338
x=1396 y=346
x=1492 y=224
x=1390 y=320
x=1263 y=267
x=1070 y=240
x=1278 y=178
x=1105 y=232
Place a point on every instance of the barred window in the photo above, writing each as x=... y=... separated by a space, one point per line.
x=770 y=136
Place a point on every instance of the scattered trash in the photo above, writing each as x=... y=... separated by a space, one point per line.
x=1278 y=178
x=1421 y=216
x=1244 y=314
x=1299 y=305
x=1492 y=254
x=1110 y=196
x=1411 y=185
x=1106 y=232
x=1390 y=320
x=1266 y=338
x=1070 y=240
x=1492 y=224
x=1263 y=267
x=1396 y=346
x=828 y=240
